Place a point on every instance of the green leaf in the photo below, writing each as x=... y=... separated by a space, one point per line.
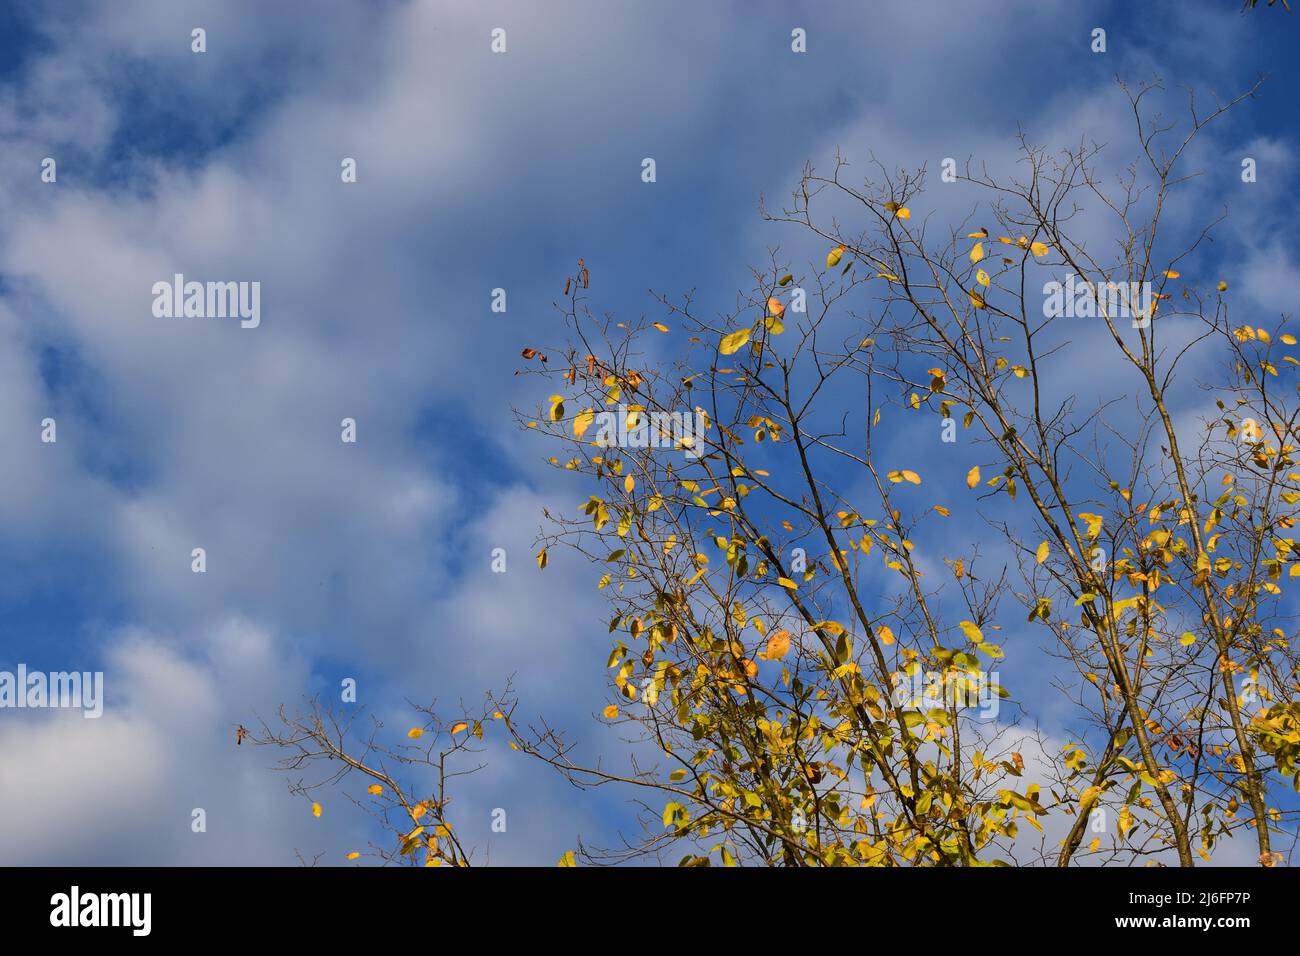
x=671 y=812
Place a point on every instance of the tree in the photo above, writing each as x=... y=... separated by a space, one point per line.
x=417 y=816
x=810 y=661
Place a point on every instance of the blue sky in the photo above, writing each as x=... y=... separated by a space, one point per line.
x=475 y=171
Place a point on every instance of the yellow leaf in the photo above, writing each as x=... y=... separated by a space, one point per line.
x=661 y=327
x=1040 y=249
x=982 y=277
x=557 y=407
x=885 y=635
x=787 y=583
x=977 y=252
x=1125 y=821
x=611 y=711
x=542 y=559
x=582 y=421
x=902 y=212
x=415 y=733
x=315 y=809
x=459 y=726
x=1171 y=274
x=567 y=860
x=977 y=300
x=375 y=789
x=1094 y=845
x=833 y=257
x=628 y=484
x=778 y=645
x=353 y=855
x=1093 y=522
x=973 y=477
x=1223 y=287
x=1288 y=339
x=1042 y=552
x=972 y=631
x=774 y=306
x=733 y=342
x=1187 y=638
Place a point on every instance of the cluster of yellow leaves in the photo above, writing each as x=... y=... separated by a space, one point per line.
x=1093 y=521
x=904 y=475
x=978 y=252
x=1037 y=248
